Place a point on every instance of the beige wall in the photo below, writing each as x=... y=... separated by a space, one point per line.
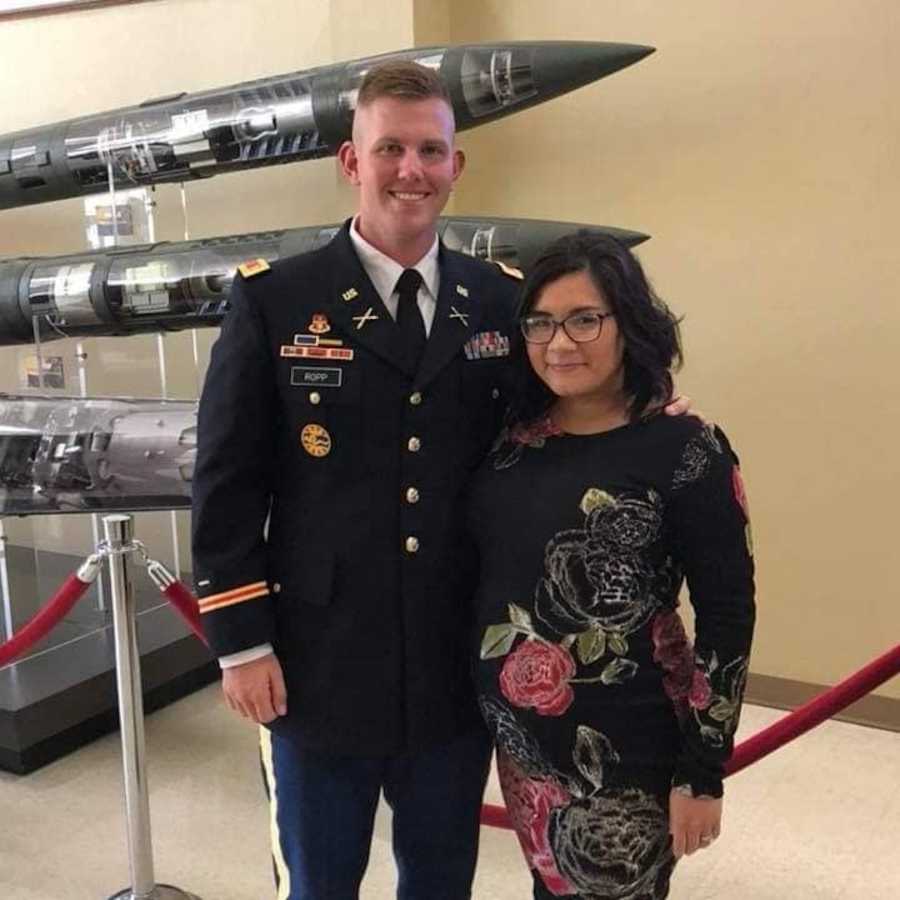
x=759 y=147
x=755 y=146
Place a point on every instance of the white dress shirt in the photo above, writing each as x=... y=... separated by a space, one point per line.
x=384 y=273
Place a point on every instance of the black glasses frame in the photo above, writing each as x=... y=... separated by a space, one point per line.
x=563 y=323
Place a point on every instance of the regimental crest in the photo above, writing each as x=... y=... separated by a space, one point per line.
x=319 y=324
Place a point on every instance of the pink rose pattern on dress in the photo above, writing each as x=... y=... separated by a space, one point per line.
x=536 y=674
x=673 y=652
x=529 y=802
x=533 y=434
x=701 y=693
x=508 y=447
x=740 y=492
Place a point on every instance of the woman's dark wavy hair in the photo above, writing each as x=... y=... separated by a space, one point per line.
x=649 y=328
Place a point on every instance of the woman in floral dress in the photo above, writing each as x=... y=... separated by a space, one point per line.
x=611 y=729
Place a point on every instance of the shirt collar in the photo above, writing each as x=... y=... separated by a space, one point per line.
x=384 y=271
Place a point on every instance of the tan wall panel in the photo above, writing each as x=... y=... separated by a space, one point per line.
x=758 y=147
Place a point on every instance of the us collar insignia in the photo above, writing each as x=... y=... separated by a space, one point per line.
x=365 y=318
x=463 y=317
x=319 y=324
x=350 y=294
x=486 y=345
x=462 y=290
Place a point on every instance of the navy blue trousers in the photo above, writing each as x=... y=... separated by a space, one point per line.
x=323 y=810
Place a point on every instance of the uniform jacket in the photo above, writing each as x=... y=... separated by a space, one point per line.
x=327 y=495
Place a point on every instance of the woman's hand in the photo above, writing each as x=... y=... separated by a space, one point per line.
x=694 y=822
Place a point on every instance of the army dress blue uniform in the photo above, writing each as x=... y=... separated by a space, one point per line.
x=328 y=515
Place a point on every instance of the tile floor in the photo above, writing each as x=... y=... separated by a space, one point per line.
x=818 y=820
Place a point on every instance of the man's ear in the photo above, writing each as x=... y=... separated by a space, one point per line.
x=349 y=162
x=459 y=163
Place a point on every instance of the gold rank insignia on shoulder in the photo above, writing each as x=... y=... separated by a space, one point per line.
x=509 y=270
x=315 y=440
x=319 y=324
x=253 y=267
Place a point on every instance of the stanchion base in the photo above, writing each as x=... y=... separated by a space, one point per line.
x=160 y=892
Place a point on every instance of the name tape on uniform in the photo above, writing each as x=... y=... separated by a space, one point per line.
x=320 y=377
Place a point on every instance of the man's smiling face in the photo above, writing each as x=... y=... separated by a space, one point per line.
x=403 y=160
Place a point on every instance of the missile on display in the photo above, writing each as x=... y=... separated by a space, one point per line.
x=286 y=118
x=67 y=454
x=175 y=286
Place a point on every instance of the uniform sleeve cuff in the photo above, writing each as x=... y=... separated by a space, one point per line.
x=231 y=660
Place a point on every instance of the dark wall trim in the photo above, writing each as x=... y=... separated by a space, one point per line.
x=784 y=693
x=75 y=6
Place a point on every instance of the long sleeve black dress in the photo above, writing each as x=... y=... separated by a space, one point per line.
x=597 y=700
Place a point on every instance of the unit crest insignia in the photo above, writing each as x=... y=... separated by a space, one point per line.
x=319 y=324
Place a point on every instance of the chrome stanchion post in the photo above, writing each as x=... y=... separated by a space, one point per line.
x=119 y=542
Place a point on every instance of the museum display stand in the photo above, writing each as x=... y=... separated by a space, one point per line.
x=62 y=693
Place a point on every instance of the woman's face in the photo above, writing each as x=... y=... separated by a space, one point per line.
x=583 y=369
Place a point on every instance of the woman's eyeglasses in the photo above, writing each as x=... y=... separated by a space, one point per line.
x=581 y=327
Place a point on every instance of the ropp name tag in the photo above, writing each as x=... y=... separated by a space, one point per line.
x=320 y=377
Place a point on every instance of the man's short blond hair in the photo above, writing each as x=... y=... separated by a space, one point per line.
x=402 y=80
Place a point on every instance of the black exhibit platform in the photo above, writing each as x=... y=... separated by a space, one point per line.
x=63 y=694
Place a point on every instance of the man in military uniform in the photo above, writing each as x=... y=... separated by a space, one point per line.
x=350 y=395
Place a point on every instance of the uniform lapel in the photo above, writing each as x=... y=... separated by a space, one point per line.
x=356 y=308
x=455 y=318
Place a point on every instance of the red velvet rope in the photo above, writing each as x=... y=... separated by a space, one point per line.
x=784 y=730
x=45 y=619
x=186 y=604
x=748 y=752
x=816 y=711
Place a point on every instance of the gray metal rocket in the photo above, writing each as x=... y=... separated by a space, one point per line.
x=174 y=286
x=285 y=118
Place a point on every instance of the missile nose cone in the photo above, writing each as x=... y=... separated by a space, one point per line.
x=562 y=66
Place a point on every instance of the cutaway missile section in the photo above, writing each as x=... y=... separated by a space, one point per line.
x=174 y=286
x=286 y=118
x=80 y=454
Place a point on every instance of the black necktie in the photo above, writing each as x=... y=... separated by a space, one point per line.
x=409 y=317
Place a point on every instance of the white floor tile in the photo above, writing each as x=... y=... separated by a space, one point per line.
x=818 y=820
